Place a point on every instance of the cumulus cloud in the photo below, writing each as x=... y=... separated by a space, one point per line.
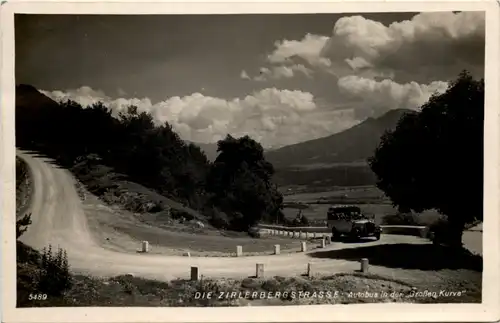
x=307 y=49
x=273 y=116
x=377 y=97
x=83 y=95
x=431 y=46
x=244 y=75
x=279 y=72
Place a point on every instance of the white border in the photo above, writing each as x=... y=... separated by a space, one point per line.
x=487 y=311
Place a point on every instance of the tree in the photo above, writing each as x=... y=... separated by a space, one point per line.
x=22 y=224
x=240 y=183
x=433 y=159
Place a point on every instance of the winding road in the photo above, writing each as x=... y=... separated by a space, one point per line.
x=59 y=219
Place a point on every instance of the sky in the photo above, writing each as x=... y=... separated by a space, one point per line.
x=281 y=79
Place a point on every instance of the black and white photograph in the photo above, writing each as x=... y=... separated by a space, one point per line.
x=251 y=159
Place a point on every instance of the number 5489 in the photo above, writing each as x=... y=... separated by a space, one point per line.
x=37 y=297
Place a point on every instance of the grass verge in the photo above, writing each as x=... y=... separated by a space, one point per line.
x=349 y=288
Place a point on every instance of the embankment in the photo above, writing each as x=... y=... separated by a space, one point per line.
x=24 y=187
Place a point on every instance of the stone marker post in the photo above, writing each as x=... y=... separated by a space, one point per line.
x=364 y=265
x=323 y=243
x=195 y=274
x=309 y=270
x=259 y=270
x=276 y=249
x=145 y=246
x=239 y=251
x=303 y=246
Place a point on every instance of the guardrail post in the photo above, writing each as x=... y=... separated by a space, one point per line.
x=303 y=246
x=323 y=243
x=276 y=249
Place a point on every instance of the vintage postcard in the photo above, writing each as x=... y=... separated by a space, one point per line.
x=250 y=162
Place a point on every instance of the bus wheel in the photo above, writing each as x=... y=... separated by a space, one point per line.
x=335 y=235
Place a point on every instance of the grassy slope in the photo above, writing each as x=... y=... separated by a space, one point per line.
x=137 y=213
x=132 y=291
x=114 y=188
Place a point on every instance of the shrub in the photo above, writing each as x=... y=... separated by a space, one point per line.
x=400 y=219
x=254 y=232
x=21 y=225
x=440 y=232
x=217 y=218
x=304 y=221
x=54 y=277
x=178 y=214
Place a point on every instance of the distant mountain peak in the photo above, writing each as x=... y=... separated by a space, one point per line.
x=349 y=146
x=28 y=97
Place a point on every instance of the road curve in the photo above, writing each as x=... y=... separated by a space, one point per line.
x=59 y=219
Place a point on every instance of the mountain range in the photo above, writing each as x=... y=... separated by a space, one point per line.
x=349 y=147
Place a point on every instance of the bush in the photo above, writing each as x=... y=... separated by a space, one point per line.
x=254 y=232
x=178 y=214
x=218 y=219
x=400 y=219
x=440 y=232
x=287 y=222
x=54 y=277
x=304 y=221
x=21 y=225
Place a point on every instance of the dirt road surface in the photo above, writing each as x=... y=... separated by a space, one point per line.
x=60 y=219
x=473 y=239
